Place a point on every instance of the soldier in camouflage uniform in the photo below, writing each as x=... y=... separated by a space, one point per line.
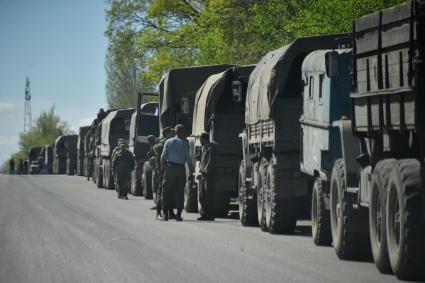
x=158 y=173
x=114 y=151
x=206 y=178
x=151 y=159
x=123 y=163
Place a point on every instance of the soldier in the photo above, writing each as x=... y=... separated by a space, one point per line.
x=114 y=151
x=151 y=158
x=11 y=166
x=167 y=133
x=175 y=155
x=21 y=167
x=206 y=178
x=90 y=158
x=123 y=163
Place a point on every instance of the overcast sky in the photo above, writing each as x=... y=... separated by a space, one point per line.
x=60 y=46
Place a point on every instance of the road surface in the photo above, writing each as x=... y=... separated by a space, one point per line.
x=64 y=229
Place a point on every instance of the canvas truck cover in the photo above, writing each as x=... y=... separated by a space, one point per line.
x=179 y=82
x=270 y=77
x=147 y=112
x=106 y=126
x=210 y=93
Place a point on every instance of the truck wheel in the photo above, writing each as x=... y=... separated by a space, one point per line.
x=191 y=197
x=347 y=244
x=281 y=213
x=405 y=228
x=377 y=214
x=247 y=205
x=261 y=178
x=320 y=216
x=147 y=184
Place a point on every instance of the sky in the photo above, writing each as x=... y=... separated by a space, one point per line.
x=60 y=46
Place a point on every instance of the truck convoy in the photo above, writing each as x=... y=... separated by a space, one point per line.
x=116 y=125
x=177 y=91
x=365 y=175
x=81 y=151
x=144 y=122
x=221 y=114
x=60 y=153
x=330 y=124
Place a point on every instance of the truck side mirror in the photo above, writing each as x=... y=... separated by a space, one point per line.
x=332 y=64
x=237 y=91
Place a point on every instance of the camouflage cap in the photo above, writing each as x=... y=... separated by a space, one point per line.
x=167 y=129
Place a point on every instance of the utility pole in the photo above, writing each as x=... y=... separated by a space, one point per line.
x=27 y=114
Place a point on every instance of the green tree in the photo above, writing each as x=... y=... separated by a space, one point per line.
x=163 y=34
x=47 y=128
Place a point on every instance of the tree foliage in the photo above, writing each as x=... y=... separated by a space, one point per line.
x=47 y=128
x=157 y=35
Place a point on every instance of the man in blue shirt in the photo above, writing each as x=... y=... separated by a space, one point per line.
x=175 y=155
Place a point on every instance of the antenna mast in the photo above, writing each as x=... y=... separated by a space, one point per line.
x=27 y=114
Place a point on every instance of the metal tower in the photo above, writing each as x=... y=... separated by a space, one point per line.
x=27 y=114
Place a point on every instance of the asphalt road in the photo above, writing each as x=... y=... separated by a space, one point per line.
x=63 y=229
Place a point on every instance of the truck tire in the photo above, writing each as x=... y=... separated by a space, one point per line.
x=247 y=205
x=147 y=181
x=347 y=243
x=281 y=213
x=377 y=214
x=261 y=181
x=320 y=216
x=405 y=228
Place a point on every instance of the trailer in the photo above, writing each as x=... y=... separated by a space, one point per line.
x=219 y=110
x=274 y=192
x=144 y=122
x=177 y=91
x=81 y=151
x=116 y=125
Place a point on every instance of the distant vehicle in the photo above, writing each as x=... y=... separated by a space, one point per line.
x=144 y=122
x=115 y=126
x=177 y=91
x=34 y=167
x=46 y=157
x=60 y=151
x=81 y=151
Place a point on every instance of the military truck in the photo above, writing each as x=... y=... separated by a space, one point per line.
x=116 y=125
x=177 y=90
x=81 y=151
x=34 y=153
x=46 y=155
x=144 y=122
x=71 y=156
x=377 y=190
x=219 y=110
x=273 y=191
x=325 y=101
x=60 y=153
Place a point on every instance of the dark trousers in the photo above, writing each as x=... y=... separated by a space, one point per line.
x=173 y=187
x=123 y=180
x=206 y=196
